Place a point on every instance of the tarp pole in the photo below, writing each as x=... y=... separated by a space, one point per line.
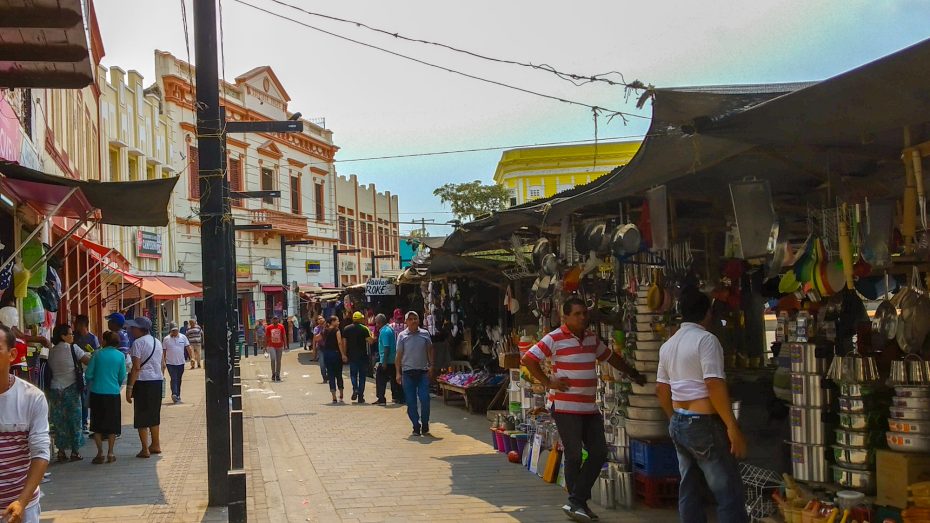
x=38 y=228
x=64 y=238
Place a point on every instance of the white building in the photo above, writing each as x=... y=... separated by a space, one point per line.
x=367 y=223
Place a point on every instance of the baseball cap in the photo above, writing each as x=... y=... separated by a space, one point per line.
x=172 y=326
x=118 y=318
x=356 y=316
x=141 y=323
x=411 y=313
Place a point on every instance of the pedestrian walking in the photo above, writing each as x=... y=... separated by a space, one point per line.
x=574 y=351
x=24 y=439
x=65 y=391
x=306 y=333
x=86 y=340
x=356 y=338
x=175 y=345
x=145 y=385
x=259 y=337
x=692 y=390
x=385 y=369
x=106 y=374
x=334 y=356
x=318 y=346
x=276 y=339
x=414 y=368
x=195 y=337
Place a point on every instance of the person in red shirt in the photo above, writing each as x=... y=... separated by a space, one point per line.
x=275 y=343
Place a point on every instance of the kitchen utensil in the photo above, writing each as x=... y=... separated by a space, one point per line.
x=648 y=345
x=912 y=391
x=642 y=429
x=755 y=216
x=625 y=240
x=847 y=499
x=808 y=462
x=911 y=403
x=909 y=426
x=646 y=366
x=643 y=401
x=861 y=480
x=852 y=390
x=837 y=371
x=851 y=438
x=918 y=370
x=908 y=442
x=804 y=359
x=853 y=457
x=648 y=388
x=854 y=405
x=897 y=375
x=806 y=424
x=854 y=421
x=806 y=391
x=645 y=355
x=845 y=247
x=550 y=264
x=646 y=336
x=909 y=414
x=886 y=317
x=644 y=413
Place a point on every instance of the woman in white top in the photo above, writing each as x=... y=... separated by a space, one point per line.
x=64 y=360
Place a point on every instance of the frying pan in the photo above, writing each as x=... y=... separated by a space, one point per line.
x=625 y=240
x=598 y=241
x=581 y=238
x=540 y=249
x=550 y=264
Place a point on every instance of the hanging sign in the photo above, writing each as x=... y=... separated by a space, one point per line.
x=273 y=264
x=148 y=244
x=313 y=265
x=244 y=270
x=347 y=265
x=380 y=287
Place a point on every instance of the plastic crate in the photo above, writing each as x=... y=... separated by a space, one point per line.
x=657 y=459
x=656 y=492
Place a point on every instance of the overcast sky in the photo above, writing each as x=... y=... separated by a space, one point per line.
x=379 y=105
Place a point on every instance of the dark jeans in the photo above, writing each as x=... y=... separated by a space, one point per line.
x=704 y=448
x=385 y=374
x=85 y=402
x=320 y=358
x=176 y=372
x=416 y=389
x=577 y=431
x=358 y=373
x=332 y=359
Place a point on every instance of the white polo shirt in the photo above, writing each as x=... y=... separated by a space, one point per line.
x=687 y=359
x=174 y=349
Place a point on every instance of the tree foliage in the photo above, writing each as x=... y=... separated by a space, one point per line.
x=472 y=199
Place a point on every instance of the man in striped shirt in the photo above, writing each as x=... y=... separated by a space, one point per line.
x=574 y=352
x=24 y=440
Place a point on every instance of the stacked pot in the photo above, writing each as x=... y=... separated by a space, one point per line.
x=909 y=415
x=644 y=417
x=810 y=401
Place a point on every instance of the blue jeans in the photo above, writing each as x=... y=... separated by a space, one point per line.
x=416 y=390
x=176 y=372
x=85 y=402
x=332 y=360
x=358 y=373
x=704 y=448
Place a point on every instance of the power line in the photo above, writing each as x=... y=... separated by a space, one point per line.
x=577 y=79
x=613 y=112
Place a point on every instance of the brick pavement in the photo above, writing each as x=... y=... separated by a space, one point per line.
x=309 y=460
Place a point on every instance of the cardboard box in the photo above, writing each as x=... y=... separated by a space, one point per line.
x=894 y=471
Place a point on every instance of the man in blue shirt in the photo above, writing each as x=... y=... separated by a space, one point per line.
x=86 y=340
x=386 y=369
x=115 y=324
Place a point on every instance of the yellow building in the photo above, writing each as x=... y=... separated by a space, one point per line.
x=539 y=172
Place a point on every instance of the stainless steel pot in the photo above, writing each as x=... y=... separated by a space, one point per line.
x=808 y=462
x=646 y=413
x=806 y=426
x=851 y=438
x=853 y=405
x=806 y=391
x=853 y=457
x=854 y=421
x=648 y=345
x=646 y=429
x=898 y=373
x=624 y=494
x=646 y=336
x=854 y=390
x=804 y=361
x=909 y=414
x=648 y=389
x=908 y=442
x=912 y=392
x=861 y=480
x=645 y=355
x=909 y=427
x=918 y=370
x=646 y=366
x=911 y=403
x=643 y=401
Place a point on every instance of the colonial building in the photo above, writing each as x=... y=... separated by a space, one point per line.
x=367 y=225
x=299 y=165
x=530 y=173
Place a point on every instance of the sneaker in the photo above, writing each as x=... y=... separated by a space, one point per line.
x=174 y=398
x=354 y=396
x=576 y=512
x=590 y=513
x=416 y=431
x=426 y=429
x=361 y=399
x=381 y=402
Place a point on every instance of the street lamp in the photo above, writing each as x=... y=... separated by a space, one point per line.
x=336 y=252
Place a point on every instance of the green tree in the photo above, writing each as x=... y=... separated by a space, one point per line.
x=472 y=199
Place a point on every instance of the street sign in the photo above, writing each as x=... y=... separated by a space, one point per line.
x=313 y=265
x=380 y=287
x=148 y=244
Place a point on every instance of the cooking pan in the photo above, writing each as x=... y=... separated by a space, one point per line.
x=581 y=238
x=625 y=240
x=550 y=264
x=598 y=240
x=540 y=249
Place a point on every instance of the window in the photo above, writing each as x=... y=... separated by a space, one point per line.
x=267 y=184
x=149 y=172
x=343 y=235
x=351 y=232
x=295 y=195
x=536 y=192
x=133 y=169
x=114 y=165
x=513 y=197
x=371 y=235
x=235 y=178
x=193 y=169
x=318 y=201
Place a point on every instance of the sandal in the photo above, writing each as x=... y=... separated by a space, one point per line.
x=62 y=457
x=97 y=460
x=143 y=454
x=111 y=458
x=76 y=457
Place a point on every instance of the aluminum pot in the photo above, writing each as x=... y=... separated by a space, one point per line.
x=624 y=484
x=647 y=429
x=861 y=480
x=898 y=373
x=854 y=421
x=646 y=336
x=909 y=414
x=854 y=390
x=918 y=370
x=908 y=442
x=648 y=388
x=806 y=426
x=646 y=366
x=806 y=391
x=853 y=457
x=911 y=403
x=804 y=361
x=912 y=392
x=909 y=427
x=645 y=355
x=852 y=405
x=808 y=462
x=645 y=413
x=648 y=345
x=643 y=401
x=851 y=438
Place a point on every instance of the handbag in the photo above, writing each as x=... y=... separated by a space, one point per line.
x=78 y=371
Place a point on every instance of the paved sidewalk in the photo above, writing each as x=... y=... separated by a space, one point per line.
x=310 y=460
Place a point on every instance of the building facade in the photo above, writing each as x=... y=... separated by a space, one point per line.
x=368 y=224
x=531 y=173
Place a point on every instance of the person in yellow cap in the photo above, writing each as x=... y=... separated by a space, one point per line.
x=356 y=338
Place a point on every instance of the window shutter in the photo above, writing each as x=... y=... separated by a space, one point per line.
x=235 y=178
x=193 y=169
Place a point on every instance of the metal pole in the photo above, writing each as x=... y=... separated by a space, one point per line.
x=284 y=283
x=336 y=265
x=214 y=242
x=373 y=260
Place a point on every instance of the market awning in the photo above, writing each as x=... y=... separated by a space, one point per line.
x=143 y=203
x=98 y=252
x=44 y=198
x=272 y=288
x=308 y=288
x=167 y=287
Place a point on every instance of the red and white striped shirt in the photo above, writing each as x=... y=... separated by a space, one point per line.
x=23 y=437
x=574 y=361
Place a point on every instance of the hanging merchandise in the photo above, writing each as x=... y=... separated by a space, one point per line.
x=33 y=311
x=877 y=231
x=755 y=216
x=6 y=276
x=33 y=252
x=657 y=200
x=20 y=281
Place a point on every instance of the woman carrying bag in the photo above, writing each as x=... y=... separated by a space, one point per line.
x=65 y=389
x=144 y=389
x=106 y=375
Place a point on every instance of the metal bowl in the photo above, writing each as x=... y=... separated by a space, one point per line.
x=853 y=457
x=912 y=392
x=853 y=405
x=861 y=480
x=643 y=401
x=646 y=366
x=646 y=336
x=851 y=438
x=909 y=427
x=647 y=429
x=646 y=414
x=908 y=442
x=854 y=390
x=648 y=388
x=911 y=403
x=645 y=355
x=648 y=345
x=854 y=421
x=915 y=414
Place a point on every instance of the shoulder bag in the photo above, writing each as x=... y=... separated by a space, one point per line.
x=78 y=371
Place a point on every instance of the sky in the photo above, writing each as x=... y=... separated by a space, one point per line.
x=377 y=104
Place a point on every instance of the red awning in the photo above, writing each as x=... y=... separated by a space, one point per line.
x=272 y=288
x=169 y=287
x=44 y=197
x=97 y=251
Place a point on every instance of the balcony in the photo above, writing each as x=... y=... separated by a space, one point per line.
x=291 y=225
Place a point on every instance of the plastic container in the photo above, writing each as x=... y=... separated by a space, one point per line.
x=501 y=446
x=494 y=439
x=656 y=492
x=519 y=442
x=655 y=459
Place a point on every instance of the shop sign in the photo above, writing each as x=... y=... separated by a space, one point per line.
x=313 y=265
x=10 y=137
x=380 y=287
x=347 y=265
x=148 y=244
x=273 y=264
x=243 y=270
